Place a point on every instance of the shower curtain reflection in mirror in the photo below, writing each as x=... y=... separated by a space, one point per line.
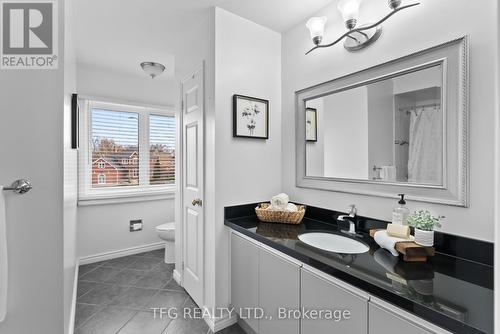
x=425 y=164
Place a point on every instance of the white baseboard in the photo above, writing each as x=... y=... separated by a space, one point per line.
x=177 y=277
x=120 y=253
x=72 y=314
x=217 y=324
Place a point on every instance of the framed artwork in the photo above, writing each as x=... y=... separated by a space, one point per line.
x=311 y=125
x=250 y=117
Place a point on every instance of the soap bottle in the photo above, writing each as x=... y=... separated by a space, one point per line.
x=400 y=214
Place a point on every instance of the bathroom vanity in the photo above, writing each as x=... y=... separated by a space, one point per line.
x=400 y=127
x=271 y=269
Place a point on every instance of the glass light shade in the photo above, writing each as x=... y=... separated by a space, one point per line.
x=316 y=26
x=152 y=69
x=349 y=9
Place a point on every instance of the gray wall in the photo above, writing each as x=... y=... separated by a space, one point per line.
x=70 y=172
x=105 y=228
x=346 y=134
x=199 y=48
x=380 y=125
x=246 y=170
x=31 y=137
x=315 y=151
x=454 y=16
x=497 y=184
x=139 y=88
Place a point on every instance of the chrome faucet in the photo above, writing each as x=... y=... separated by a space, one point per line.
x=351 y=218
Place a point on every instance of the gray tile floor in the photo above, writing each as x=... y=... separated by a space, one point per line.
x=117 y=297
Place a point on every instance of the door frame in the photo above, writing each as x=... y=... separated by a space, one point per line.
x=178 y=274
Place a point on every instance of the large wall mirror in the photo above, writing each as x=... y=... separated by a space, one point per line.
x=397 y=127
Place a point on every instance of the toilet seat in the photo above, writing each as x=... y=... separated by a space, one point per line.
x=166 y=227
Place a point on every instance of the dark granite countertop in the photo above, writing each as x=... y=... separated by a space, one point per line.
x=448 y=291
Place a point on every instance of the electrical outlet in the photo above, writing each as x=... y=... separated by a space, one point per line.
x=135 y=225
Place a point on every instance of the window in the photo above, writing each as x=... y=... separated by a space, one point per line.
x=161 y=149
x=114 y=136
x=127 y=151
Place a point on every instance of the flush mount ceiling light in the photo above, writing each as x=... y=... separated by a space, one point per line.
x=355 y=38
x=152 y=69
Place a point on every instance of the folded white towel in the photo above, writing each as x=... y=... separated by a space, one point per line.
x=279 y=202
x=388 y=173
x=291 y=207
x=388 y=242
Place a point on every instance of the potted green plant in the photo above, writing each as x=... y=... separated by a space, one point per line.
x=424 y=223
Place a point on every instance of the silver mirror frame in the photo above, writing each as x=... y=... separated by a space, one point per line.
x=454 y=56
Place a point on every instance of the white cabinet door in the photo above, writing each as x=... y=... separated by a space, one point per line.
x=387 y=319
x=279 y=286
x=321 y=293
x=245 y=278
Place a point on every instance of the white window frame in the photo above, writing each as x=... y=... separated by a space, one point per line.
x=90 y=196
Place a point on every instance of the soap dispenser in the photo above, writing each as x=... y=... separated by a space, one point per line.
x=400 y=214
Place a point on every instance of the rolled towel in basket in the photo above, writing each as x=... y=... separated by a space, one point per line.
x=290 y=207
x=279 y=202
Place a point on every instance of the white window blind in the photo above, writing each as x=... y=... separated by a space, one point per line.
x=114 y=146
x=161 y=149
x=126 y=151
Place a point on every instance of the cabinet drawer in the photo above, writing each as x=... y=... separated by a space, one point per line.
x=319 y=293
x=387 y=319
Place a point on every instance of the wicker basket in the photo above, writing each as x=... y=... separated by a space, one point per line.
x=279 y=216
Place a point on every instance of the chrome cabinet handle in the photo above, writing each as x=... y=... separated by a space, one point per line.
x=197 y=201
x=20 y=187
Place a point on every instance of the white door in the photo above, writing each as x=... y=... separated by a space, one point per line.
x=193 y=171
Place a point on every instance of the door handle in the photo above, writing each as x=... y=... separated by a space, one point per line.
x=197 y=201
x=20 y=187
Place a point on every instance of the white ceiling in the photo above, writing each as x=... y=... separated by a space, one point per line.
x=278 y=15
x=119 y=34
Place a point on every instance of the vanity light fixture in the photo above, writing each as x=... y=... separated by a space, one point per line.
x=355 y=38
x=316 y=26
x=152 y=69
x=350 y=12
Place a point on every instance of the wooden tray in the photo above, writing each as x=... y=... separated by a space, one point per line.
x=411 y=251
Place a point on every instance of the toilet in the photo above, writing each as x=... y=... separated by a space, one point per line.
x=166 y=232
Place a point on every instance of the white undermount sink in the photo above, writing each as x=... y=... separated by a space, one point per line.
x=333 y=243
